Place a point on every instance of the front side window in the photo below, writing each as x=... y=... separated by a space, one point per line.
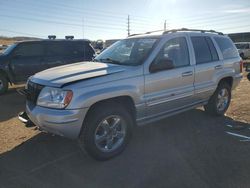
x=29 y=50
x=175 y=50
x=128 y=51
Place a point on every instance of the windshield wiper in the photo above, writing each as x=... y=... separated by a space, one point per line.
x=109 y=60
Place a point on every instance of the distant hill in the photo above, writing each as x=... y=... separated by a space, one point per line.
x=9 y=40
x=18 y=38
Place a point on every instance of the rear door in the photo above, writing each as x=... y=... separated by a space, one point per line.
x=169 y=90
x=207 y=66
x=26 y=60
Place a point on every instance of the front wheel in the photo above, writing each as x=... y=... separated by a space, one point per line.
x=106 y=131
x=220 y=101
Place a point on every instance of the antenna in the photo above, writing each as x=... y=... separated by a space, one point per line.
x=128 y=26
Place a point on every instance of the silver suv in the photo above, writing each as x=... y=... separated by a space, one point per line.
x=136 y=81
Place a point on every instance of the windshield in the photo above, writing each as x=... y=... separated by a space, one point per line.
x=9 y=49
x=127 y=51
x=241 y=46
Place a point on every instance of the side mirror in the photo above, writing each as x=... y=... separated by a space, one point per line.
x=162 y=64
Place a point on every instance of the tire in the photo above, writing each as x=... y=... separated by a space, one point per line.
x=216 y=106
x=95 y=136
x=4 y=84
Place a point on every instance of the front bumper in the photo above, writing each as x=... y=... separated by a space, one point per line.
x=63 y=122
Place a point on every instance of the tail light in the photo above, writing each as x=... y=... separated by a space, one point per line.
x=241 y=66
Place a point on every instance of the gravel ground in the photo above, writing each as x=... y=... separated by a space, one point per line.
x=191 y=149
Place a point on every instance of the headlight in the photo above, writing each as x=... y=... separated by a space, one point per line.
x=54 y=97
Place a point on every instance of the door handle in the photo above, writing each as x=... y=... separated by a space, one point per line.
x=188 y=73
x=218 y=67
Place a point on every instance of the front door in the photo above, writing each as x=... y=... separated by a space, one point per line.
x=173 y=89
x=27 y=60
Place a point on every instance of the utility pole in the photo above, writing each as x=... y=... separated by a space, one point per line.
x=165 y=25
x=128 y=26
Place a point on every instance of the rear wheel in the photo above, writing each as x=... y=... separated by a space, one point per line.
x=3 y=84
x=106 y=131
x=220 y=101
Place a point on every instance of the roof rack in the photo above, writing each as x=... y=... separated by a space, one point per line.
x=185 y=29
x=52 y=37
x=69 y=37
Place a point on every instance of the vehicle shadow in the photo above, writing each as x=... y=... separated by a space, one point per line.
x=188 y=150
x=11 y=103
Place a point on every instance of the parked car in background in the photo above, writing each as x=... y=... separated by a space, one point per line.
x=23 y=59
x=3 y=47
x=136 y=81
x=243 y=49
x=248 y=70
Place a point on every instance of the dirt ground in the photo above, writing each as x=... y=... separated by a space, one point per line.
x=191 y=149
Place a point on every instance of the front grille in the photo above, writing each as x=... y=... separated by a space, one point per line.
x=33 y=91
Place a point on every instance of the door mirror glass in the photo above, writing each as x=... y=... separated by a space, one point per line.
x=162 y=64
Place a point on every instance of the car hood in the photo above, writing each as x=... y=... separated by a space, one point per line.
x=59 y=76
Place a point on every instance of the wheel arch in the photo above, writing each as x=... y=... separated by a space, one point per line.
x=228 y=80
x=124 y=100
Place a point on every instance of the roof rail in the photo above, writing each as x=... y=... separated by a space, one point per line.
x=185 y=29
x=149 y=32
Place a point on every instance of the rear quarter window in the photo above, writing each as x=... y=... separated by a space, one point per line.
x=227 y=47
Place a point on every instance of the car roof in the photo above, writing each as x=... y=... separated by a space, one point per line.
x=54 y=40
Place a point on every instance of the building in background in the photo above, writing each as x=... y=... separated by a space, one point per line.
x=240 y=37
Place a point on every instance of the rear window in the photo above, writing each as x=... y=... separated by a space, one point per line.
x=227 y=47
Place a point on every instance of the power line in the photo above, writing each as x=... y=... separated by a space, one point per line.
x=57 y=22
x=22 y=33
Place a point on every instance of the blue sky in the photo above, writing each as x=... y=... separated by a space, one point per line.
x=107 y=19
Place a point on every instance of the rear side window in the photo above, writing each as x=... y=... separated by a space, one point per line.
x=213 y=51
x=56 y=49
x=29 y=50
x=201 y=50
x=227 y=47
